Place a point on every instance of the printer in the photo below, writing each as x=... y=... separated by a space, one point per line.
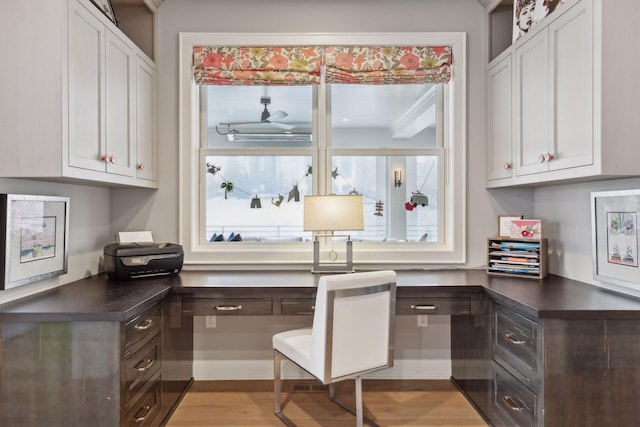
x=134 y=260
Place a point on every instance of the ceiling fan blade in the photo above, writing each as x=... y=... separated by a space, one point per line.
x=281 y=125
x=278 y=115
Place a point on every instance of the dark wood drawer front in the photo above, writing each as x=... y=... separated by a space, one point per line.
x=516 y=341
x=433 y=306
x=227 y=306
x=141 y=329
x=141 y=366
x=298 y=306
x=513 y=399
x=143 y=412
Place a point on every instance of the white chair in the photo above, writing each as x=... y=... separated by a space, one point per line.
x=352 y=334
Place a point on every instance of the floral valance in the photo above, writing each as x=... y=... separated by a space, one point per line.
x=292 y=65
x=387 y=64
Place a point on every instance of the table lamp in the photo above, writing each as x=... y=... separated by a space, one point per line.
x=327 y=214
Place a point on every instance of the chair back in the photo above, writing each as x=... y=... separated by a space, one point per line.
x=353 y=325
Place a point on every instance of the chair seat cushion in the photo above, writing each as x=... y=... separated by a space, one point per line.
x=295 y=345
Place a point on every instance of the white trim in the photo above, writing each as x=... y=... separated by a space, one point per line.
x=260 y=369
x=299 y=255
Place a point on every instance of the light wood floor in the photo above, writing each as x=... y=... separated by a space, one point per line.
x=388 y=403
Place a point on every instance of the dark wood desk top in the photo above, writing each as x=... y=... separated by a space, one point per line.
x=98 y=298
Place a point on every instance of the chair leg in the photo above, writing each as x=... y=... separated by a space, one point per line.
x=277 y=382
x=359 y=413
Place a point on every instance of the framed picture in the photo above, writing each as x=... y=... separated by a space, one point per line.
x=614 y=223
x=526 y=229
x=107 y=8
x=504 y=224
x=34 y=230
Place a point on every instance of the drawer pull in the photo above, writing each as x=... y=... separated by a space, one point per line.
x=512 y=340
x=142 y=414
x=145 y=364
x=144 y=325
x=513 y=403
x=426 y=307
x=227 y=307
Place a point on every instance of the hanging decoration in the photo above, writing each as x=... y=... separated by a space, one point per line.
x=294 y=194
x=279 y=201
x=379 y=208
x=334 y=174
x=227 y=186
x=309 y=170
x=409 y=206
x=212 y=169
x=255 y=203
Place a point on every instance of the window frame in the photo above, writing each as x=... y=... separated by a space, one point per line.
x=289 y=255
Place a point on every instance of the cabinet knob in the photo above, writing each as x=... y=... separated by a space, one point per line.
x=104 y=158
x=545 y=157
x=112 y=159
x=507 y=166
x=140 y=166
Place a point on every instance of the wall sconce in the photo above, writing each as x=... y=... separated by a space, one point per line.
x=327 y=214
x=397 y=178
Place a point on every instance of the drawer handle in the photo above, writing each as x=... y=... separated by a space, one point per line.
x=144 y=325
x=512 y=340
x=145 y=365
x=512 y=404
x=142 y=414
x=227 y=307
x=426 y=307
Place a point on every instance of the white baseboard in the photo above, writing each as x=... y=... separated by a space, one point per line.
x=409 y=369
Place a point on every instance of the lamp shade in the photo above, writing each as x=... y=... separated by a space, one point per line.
x=333 y=213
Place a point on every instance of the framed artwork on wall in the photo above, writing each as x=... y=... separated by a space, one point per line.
x=107 y=8
x=34 y=230
x=614 y=223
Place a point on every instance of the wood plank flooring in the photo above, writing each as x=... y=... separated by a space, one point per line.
x=388 y=403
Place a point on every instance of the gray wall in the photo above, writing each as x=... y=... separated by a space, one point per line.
x=88 y=230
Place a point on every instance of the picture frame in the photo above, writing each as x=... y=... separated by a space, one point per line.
x=614 y=222
x=504 y=224
x=35 y=233
x=106 y=7
x=526 y=229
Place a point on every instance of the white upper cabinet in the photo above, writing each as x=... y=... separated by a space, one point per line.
x=75 y=116
x=499 y=119
x=561 y=82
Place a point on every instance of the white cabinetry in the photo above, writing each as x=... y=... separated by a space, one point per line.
x=75 y=115
x=561 y=131
x=499 y=119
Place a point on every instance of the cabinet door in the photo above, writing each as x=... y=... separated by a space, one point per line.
x=499 y=121
x=532 y=105
x=86 y=85
x=146 y=119
x=572 y=76
x=120 y=119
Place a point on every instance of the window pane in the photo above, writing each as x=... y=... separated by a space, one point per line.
x=235 y=116
x=259 y=198
x=392 y=213
x=392 y=116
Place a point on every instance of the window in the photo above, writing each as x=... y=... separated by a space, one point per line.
x=244 y=179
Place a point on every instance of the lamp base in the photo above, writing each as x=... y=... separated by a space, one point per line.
x=334 y=267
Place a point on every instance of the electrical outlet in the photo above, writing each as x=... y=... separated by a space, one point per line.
x=209 y=321
x=423 y=320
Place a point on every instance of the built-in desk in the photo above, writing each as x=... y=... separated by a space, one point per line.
x=553 y=352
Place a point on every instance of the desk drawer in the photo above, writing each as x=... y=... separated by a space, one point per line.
x=140 y=329
x=433 y=305
x=142 y=412
x=141 y=366
x=516 y=341
x=298 y=306
x=227 y=306
x=513 y=399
